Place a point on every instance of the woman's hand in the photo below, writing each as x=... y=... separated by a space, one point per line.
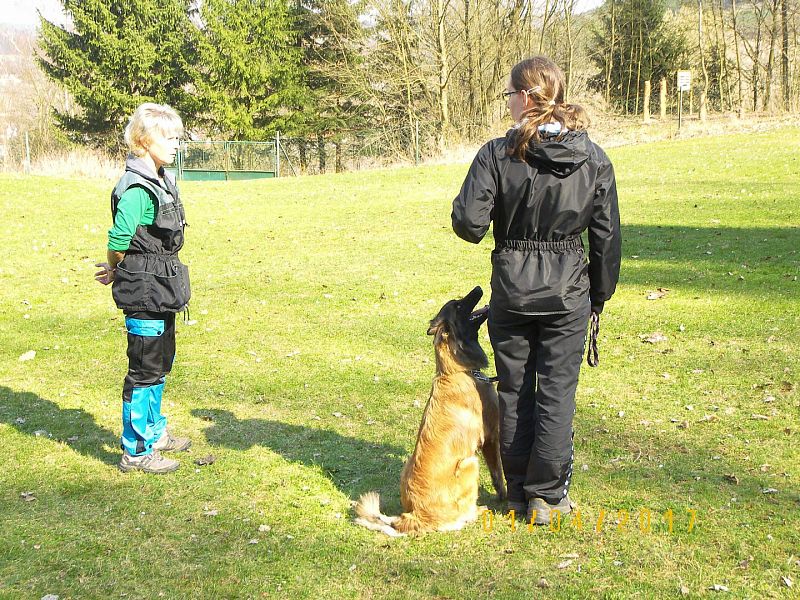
x=106 y=273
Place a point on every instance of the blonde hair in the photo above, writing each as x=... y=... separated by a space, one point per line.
x=150 y=119
x=543 y=82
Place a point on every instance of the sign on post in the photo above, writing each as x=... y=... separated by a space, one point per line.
x=684 y=85
x=684 y=81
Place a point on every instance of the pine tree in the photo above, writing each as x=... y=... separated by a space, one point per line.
x=116 y=54
x=331 y=107
x=249 y=69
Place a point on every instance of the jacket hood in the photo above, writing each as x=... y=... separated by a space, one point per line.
x=140 y=167
x=561 y=155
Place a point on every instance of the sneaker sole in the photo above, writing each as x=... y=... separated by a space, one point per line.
x=129 y=469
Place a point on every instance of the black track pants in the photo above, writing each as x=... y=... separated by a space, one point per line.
x=538 y=359
x=151 y=351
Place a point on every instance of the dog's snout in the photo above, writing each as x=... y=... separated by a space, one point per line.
x=471 y=299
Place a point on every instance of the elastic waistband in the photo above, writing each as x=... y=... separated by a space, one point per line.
x=548 y=245
x=152 y=255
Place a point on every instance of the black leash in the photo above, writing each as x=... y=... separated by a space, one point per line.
x=592 y=355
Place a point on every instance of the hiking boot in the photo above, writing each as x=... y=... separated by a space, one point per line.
x=544 y=510
x=167 y=443
x=148 y=463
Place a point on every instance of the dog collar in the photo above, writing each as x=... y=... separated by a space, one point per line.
x=481 y=377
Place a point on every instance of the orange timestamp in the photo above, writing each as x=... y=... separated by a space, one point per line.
x=645 y=520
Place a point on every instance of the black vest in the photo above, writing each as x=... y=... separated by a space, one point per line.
x=151 y=277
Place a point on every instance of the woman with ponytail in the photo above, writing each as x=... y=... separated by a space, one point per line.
x=542 y=185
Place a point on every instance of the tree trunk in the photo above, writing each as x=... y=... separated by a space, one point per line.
x=639 y=72
x=610 y=59
x=785 y=54
x=701 y=44
x=569 y=7
x=738 y=59
x=545 y=18
x=722 y=52
x=338 y=162
x=756 y=65
x=471 y=79
x=321 y=152
x=440 y=9
x=773 y=38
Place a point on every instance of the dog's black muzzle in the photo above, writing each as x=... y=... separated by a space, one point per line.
x=467 y=306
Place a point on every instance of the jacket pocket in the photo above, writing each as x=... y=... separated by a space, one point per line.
x=152 y=284
x=539 y=282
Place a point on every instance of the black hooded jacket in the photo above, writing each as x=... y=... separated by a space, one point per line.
x=540 y=207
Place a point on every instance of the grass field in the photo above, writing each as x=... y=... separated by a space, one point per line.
x=306 y=367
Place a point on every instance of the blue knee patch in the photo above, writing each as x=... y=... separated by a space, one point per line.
x=144 y=327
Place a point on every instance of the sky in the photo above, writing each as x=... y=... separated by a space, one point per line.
x=23 y=12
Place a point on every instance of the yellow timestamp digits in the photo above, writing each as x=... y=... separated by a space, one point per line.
x=646 y=521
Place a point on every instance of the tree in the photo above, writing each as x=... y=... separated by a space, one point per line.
x=248 y=71
x=116 y=54
x=331 y=103
x=633 y=44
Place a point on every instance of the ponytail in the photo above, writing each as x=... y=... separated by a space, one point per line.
x=542 y=82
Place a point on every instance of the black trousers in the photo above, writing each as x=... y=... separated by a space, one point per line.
x=151 y=351
x=538 y=359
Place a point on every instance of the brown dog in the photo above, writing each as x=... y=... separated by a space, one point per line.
x=439 y=482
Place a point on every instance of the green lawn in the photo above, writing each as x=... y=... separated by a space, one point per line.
x=306 y=367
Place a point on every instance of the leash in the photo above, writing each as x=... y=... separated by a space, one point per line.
x=592 y=355
x=483 y=378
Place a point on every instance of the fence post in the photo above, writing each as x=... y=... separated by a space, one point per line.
x=646 y=102
x=277 y=154
x=226 y=149
x=179 y=160
x=663 y=98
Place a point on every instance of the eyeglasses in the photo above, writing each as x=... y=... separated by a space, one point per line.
x=506 y=94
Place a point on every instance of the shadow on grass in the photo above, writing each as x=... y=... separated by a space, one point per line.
x=355 y=466
x=684 y=472
x=29 y=414
x=712 y=257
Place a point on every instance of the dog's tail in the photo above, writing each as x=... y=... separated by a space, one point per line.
x=368 y=509
x=371 y=517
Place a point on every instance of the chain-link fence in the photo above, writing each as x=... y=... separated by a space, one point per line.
x=213 y=160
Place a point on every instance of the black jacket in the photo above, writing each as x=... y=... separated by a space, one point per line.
x=540 y=208
x=151 y=277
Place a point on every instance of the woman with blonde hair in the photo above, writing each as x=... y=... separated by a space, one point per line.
x=542 y=185
x=150 y=284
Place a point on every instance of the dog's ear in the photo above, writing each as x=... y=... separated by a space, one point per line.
x=439 y=330
x=435 y=325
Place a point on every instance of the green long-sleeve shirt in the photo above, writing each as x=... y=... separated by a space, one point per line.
x=135 y=208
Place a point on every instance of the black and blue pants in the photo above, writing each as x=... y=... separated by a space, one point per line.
x=151 y=352
x=538 y=359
